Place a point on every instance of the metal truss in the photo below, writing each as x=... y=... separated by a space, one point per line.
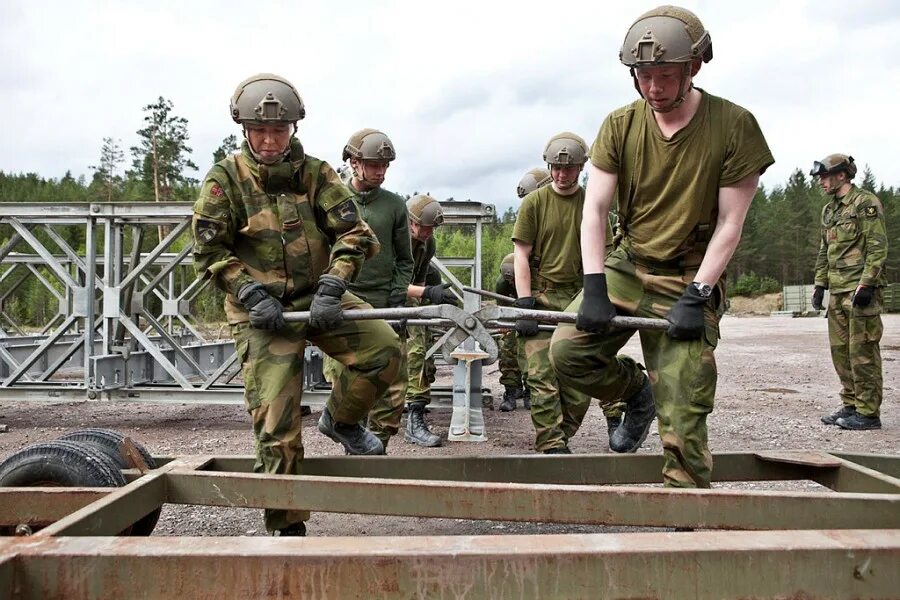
x=842 y=542
x=143 y=344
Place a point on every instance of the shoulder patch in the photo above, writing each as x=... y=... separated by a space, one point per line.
x=216 y=190
x=346 y=211
x=207 y=230
x=871 y=211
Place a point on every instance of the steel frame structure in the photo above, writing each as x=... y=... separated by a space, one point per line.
x=137 y=353
x=843 y=542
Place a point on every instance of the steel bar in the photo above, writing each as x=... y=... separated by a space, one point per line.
x=620 y=505
x=40 y=506
x=701 y=566
x=49 y=341
x=886 y=463
x=491 y=295
x=490 y=313
x=853 y=476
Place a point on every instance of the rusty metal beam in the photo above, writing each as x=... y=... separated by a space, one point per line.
x=702 y=565
x=856 y=477
x=42 y=506
x=636 y=506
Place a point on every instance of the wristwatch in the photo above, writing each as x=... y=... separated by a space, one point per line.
x=704 y=289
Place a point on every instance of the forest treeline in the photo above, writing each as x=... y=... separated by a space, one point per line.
x=778 y=247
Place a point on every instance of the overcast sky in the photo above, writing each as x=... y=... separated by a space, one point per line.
x=469 y=92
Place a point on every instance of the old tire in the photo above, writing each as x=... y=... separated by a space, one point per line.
x=60 y=464
x=109 y=441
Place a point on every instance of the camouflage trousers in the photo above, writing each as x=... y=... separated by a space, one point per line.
x=854 y=334
x=557 y=409
x=682 y=373
x=511 y=360
x=272 y=367
x=421 y=371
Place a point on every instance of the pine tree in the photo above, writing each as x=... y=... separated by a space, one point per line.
x=111 y=156
x=229 y=146
x=162 y=156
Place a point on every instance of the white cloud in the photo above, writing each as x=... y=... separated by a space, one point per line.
x=469 y=91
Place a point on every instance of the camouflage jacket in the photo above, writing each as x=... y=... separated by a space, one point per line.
x=854 y=243
x=282 y=225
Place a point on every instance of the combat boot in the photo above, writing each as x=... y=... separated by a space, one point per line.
x=509 y=398
x=417 y=430
x=640 y=410
x=295 y=530
x=612 y=423
x=843 y=413
x=526 y=398
x=858 y=422
x=355 y=438
x=562 y=450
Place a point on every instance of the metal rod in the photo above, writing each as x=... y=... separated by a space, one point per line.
x=492 y=295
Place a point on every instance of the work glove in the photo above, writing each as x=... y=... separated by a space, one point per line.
x=817 y=297
x=863 y=296
x=265 y=311
x=686 y=316
x=596 y=311
x=440 y=294
x=398 y=301
x=526 y=327
x=325 y=311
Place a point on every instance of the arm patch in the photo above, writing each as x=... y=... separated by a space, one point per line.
x=346 y=211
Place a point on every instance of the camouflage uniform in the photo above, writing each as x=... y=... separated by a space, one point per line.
x=666 y=217
x=284 y=226
x=852 y=253
x=387 y=274
x=421 y=370
x=512 y=357
x=549 y=222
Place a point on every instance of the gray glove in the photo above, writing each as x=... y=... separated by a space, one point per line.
x=265 y=311
x=325 y=311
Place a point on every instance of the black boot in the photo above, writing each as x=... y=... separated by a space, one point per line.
x=843 y=413
x=509 y=398
x=526 y=398
x=612 y=423
x=640 y=411
x=859 y=422
x=417 y=430
x=295 y=530
x=355 y=438
x=562 y=450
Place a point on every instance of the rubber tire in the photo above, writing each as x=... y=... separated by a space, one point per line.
x=60 y=463
x=109 y=441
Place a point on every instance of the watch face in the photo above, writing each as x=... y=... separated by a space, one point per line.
x=704 y=289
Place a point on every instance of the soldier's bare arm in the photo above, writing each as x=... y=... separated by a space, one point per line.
x=522 y=254
x=601 y=188
x=734 y=202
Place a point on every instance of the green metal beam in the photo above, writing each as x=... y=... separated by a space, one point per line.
x=854 y=477
x=703 y=565
x=600 y=505
x=885 y=463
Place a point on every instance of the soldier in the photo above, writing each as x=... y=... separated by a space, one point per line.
x=850 y=265
x=511 y=360
x=685 y=166
x=383 y=280
x=547 y=273
x=277 y=230
x=425 y=215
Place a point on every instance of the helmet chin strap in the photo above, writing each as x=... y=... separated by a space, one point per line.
x=362 y=177
x=682 y=93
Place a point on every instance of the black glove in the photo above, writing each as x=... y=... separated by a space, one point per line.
x=863 y=296
x=686 y=317
x=440 y=294
x=398 y=301
x=325 y=311
x=526 y=327
x=265 y=311
x=596 y=311
x=817 y=297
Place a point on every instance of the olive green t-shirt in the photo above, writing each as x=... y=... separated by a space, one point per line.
x=669 y=187
x=551 y=224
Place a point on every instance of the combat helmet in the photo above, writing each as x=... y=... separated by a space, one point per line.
x=834 y=163
x=425 y=210
x=565 y=148
x=266 y=98
x=666 y=35
x=532 y=180
x=369 y=144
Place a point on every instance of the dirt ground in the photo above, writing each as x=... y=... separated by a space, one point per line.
x=775 y=381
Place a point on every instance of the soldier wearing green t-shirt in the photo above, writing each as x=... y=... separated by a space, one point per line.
x=684 y=167
x=383 y=279
x=547 y=268
x=850 y=265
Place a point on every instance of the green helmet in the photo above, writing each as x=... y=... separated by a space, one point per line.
x=369 y=144
x=425 y=210
x=532 y=180
x=666 y=34
x=834 y=163
x=266 y=98
x=507 y=268
x=565 y=148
